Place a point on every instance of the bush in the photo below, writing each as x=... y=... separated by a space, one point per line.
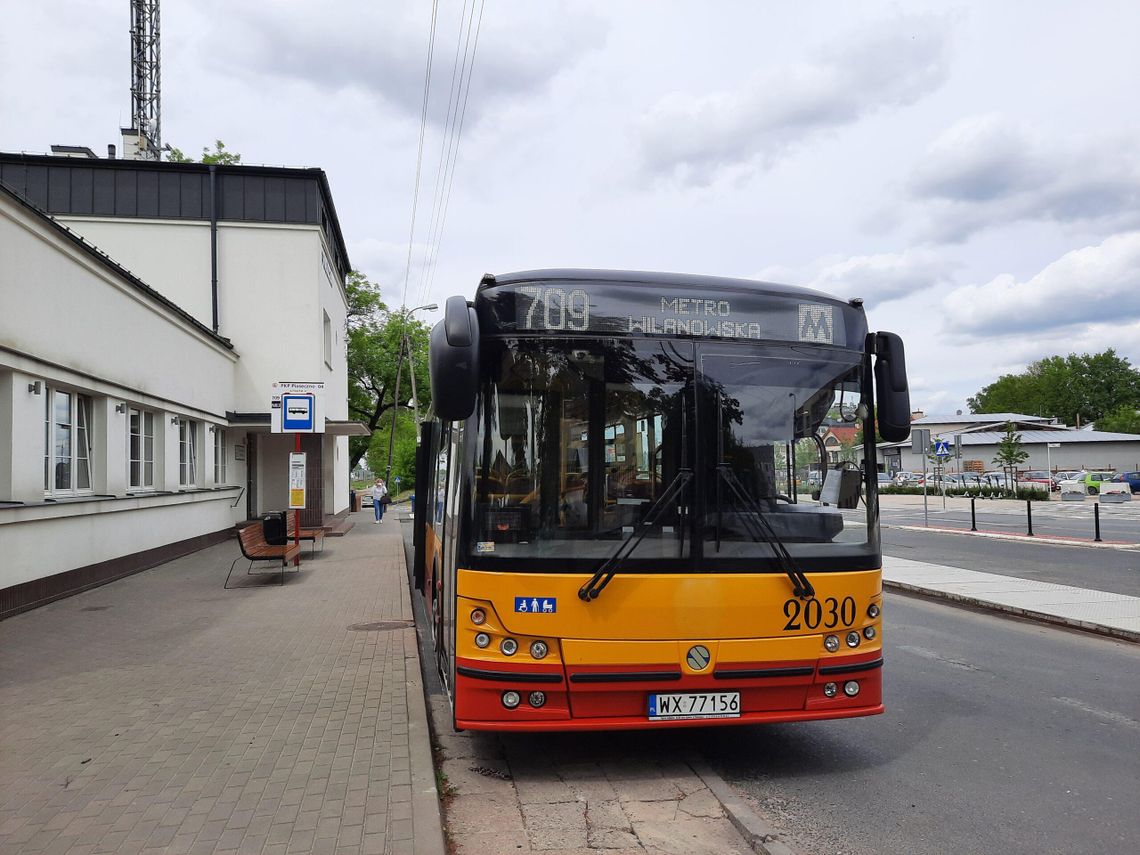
x=1023 y=493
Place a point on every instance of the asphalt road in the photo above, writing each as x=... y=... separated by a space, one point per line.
x=999 y=736
x=1113 y=570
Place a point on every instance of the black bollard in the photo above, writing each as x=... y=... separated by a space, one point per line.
x=1029 y=515
x=973 y=518
x=1096 y=521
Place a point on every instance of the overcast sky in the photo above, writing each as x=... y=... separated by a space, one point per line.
x=972 y=170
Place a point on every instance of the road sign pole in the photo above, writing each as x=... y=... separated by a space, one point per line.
x=297 y=513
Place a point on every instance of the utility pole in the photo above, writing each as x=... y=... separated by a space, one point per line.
x=405 y=347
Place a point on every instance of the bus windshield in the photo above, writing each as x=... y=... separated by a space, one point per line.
x=577 y=439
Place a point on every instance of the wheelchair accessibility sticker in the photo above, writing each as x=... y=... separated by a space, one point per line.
x=536 y=605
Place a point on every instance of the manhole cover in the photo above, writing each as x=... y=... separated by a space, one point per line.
x=94 y=608
x=380 y=626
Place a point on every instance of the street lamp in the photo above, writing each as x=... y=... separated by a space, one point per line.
x=405 y=345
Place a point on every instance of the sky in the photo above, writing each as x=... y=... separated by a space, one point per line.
x=971 y=170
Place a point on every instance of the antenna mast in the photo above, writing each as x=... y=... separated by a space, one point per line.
x=146 y=76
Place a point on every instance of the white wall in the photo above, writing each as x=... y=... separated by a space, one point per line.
x=44 y=540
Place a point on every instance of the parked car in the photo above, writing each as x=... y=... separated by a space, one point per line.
x=885 y=480
x=1092 y=481
x=1133 y=479
x=907 y=479
x=1036 y=478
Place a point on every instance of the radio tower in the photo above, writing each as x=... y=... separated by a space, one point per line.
x=146 y=95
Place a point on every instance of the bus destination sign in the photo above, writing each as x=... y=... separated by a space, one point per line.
x=541 y=308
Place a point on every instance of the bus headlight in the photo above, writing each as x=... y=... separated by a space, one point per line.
x=868 y=632
x=509 y=646
x=511 y=700
x=482 y=640
x=478 y=617
x=851 y=688
x=853 y=639
x=537 y=699
x=873 y=611
x=831 y=643
x=538 y=649
x=830 y=689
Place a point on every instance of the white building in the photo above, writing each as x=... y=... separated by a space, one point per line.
x=134 y=392
x=1050 y=445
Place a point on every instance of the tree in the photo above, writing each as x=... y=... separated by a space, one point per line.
x=374 y=337
x=1125 y=419
x=1010 y=453
x=1071 y=388
x=220 y=155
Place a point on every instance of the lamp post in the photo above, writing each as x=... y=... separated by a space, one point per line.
x=405 y=345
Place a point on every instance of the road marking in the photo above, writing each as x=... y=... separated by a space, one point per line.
x=1107 y=715
x=934 y=654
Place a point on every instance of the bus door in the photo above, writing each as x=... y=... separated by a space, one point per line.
x=451 y=470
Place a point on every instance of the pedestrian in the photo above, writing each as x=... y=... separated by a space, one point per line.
x=379 y=499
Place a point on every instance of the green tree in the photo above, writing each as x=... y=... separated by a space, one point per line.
x=1010 y=453
x=403 y=451
x=1074 y=389
x=374 y=336
x=1124 y=419
x=220 y=155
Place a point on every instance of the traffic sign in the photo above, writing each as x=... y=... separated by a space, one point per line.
x=297 y=408
x=941 y=448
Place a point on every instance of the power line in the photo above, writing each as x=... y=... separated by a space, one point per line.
x=445 y=141
x=420 y=151
x=455 y=160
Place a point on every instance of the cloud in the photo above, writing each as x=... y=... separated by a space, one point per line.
x=877 y=278
x=989 y=170
x=382 y=48
x=885 y=276
x=1096 y=284
x=698 y=138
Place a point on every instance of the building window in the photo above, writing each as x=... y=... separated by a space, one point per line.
x=328 y=340
x=219 y=456
x=67 y=442
x=187 y=452
x=140 y=450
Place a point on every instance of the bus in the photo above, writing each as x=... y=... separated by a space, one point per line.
x=613 y=525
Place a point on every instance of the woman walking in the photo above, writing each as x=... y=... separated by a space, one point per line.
x=379 y=499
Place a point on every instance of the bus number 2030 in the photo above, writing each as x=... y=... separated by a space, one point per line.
x=829 y=613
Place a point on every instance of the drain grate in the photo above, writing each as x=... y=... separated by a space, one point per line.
x=380 y=626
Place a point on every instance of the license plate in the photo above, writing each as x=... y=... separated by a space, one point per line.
x=684 y=705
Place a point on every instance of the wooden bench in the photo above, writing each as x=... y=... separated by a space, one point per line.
x=251 y=540
x=314 y=535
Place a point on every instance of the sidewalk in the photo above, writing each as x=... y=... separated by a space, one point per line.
x=161 y=713
x=1115 y=615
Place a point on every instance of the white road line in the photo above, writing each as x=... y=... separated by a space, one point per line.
x=1107 y=715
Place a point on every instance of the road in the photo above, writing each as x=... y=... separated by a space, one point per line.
x=999 y=737
x=1113 y=570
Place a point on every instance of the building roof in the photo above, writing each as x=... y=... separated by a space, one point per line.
x=974 y=418
x=844 y=433
x=104 y=187
x=1036 y=437
x=113 y=266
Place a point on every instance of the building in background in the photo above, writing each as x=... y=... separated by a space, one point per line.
x=148 y=309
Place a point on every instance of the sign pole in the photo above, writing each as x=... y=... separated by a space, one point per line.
x=297 y=513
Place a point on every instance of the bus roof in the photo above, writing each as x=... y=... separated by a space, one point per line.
x=644 y=277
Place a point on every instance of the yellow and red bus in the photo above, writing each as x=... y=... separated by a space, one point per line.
x=613 y=528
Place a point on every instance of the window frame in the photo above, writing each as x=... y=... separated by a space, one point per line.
x=79 y=439
x=219 y=455
x=143 y=460
x=187 y=453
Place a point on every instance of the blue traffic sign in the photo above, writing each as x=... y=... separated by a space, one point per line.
x=297 y=413
x=941 y=448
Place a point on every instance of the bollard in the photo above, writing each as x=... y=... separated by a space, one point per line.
x=1096 y=521
x=1029 y=515
x=973 y=518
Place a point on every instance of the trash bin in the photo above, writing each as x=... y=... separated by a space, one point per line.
x=352 y=501
x=275 y=528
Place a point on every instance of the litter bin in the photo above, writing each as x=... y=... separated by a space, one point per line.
x=352 y=501
x=274 y=527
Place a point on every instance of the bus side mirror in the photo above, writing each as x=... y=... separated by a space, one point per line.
x=892 y=396
x=453 y=361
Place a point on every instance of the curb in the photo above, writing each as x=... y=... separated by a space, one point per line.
x=1019 y=538
x=1040 y=617
x=757 y=833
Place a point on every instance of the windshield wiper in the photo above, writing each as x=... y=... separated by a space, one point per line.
x=761 y=531
x=609 y=567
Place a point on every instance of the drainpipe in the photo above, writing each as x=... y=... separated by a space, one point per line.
x=214 y=243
